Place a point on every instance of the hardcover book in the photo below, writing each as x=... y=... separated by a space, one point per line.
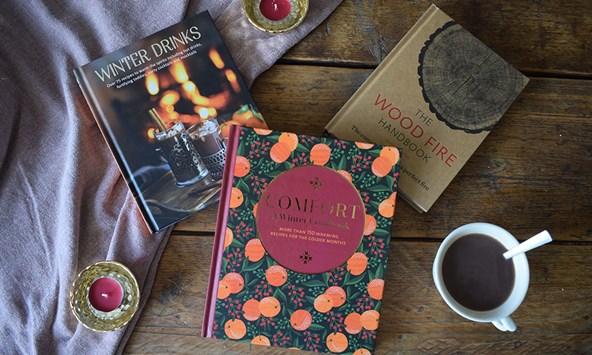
x=301 y=243
x=437 y=95
x=164 y=105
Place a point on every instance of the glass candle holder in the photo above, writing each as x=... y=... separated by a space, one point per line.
x=275 y=16
x=105 y=296
x=176 y=148
x=207 y=139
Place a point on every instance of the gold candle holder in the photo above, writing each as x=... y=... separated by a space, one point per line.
x=275 y=16
x=89 y=315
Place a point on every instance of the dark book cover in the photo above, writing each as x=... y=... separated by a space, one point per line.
x=164 y=105
x=302 y=240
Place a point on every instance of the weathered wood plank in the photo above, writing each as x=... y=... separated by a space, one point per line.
x=555 y=316
x=531 y=173
x=547 y=37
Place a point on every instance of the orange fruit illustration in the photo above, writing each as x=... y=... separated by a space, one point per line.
x=369 y=319
x=280 y=152
x=391 y=153
x=223 y=290
x=337 y=342
x=387 y=208
x=226 y=127
x=357 y=263
x=393 y=196
x=228 y=237
x=362 y=351
x=241 y=166
x=345 y=174
x=236 y=198
x=370 y=225
x=235 y=281
x=381 y=166
x=320 y=154
x=276 y=275
x=255 y=210
x=301 y=319
x=290 y=139
x=376 y=288
x=323 y=303
x=337 y=294
x=352 y=322
x=261 y=340
x=251 y=310
x=254 y=250
x=242 y=116
x=262 y=131
x=254 y=122
x=235 y=329
x=269 y=307
x=362 y=145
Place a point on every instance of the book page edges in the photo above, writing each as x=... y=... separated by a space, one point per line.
x=220 y=233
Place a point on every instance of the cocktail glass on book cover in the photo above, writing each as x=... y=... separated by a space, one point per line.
x=207 y=139
x=178 y=150
x=162 y=104
x=301 y=243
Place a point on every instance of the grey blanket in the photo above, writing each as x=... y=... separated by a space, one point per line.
x=63 y=202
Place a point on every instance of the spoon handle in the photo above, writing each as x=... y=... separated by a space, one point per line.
x=536 y=241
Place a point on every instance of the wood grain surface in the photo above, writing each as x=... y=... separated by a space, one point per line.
x=538 y=154
x=413 y=316
x=533 y=172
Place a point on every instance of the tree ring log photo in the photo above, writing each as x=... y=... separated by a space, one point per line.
x=465 y=83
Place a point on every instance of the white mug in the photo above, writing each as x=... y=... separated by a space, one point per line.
x=500 y=316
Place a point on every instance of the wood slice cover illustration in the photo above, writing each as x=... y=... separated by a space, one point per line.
x=466 y=84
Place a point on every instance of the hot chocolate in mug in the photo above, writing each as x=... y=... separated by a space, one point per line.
x=474 y=278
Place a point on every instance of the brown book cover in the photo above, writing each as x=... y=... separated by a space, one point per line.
x=437 y=95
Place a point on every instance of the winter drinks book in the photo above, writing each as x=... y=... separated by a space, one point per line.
x=164 y=105
x=437 y=95
x=301 y=242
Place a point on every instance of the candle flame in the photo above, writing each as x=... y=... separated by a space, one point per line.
x=169 y=98
x=190 y=89
x=179 y=72
x=152 y=83
x=151 y=134
x=192 y=93
x=216 y=59
x=232 y=78
x=203 y=113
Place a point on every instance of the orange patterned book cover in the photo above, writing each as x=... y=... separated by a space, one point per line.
x=301 y=242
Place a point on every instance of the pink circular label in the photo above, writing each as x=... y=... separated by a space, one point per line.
x=310 y=219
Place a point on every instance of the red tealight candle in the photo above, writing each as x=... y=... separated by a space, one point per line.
x=275 y=10
x=105 y=294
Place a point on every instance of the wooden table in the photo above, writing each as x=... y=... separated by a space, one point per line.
x=533 y=172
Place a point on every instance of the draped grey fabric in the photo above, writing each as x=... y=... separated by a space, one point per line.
x=63 y=202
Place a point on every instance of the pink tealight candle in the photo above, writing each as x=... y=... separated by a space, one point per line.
x=105 y=294
x=275 y=10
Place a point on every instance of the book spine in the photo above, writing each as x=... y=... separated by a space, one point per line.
x=113 y=148
x=220 y=233
x=387 y=62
